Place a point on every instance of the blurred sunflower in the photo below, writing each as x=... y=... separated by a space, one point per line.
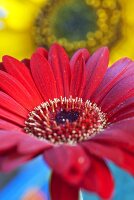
x=16 y=22
x=73 y=24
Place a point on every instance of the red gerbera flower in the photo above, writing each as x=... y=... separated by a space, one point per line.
x=74 y=112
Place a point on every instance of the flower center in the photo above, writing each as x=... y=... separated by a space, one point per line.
x=78 y=23
x=63 y=115
x=65 y=120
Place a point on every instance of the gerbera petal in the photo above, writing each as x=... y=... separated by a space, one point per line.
x=125 y=161
x=16 y=90
x=19 y=71
x=12 y=161
x=128 y=162
x=31 y=145
x=99 y=179
x=10 y=104
x=115 y=97
x=123 y=125
x=60 y=65
x=43 y=76
x=5 y=125
x=96 y=67
x=24 y=143
x=112 y=76
x=8 y=140
x=85 y=55
x=119 y=134
x=116 y=153
x=76 y=163
x=61 y=190
x=117 y=137
x=103 y=151
x=42 y=51
x=26 y=62
x=78 y=77
x=2 y=67
x=124 y=107
x=11 y=117
x=121 y=116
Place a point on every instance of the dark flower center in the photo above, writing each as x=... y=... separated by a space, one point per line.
x=63 y=115
x=65 y=120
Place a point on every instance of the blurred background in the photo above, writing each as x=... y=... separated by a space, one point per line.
x=27 y=24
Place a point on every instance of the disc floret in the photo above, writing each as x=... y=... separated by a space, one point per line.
x=65 y=120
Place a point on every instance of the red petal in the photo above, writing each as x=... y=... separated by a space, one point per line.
x=99 y=179
x=26 y=145
x=7 y=141
x=42 y=51
x=123 y=116
x=59 y=61
x=76 y=163
x=43 y=76
x=116 y=137
x=112 y=76
x=119 y=134
x=60 y=190
x=11 y=117
x=123 y=126
x=10 y=104
x=26 y=62
x=17 y=147
x=115 y=153
x=128 y=162
x=12 y=161
x=19 y=71
x=2 y=67
x=10 y=139
x=30 y=145
x=104 y=151
x=16 y=90
x=78 y=77
x=119 y=93
x=85 y=54
x=122 y=108
x=4 y=125
x=96 y=68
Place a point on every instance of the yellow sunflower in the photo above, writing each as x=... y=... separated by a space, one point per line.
x=26 y=24
x=16 y=21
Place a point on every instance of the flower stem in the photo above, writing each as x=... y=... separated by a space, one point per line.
x=81 y=197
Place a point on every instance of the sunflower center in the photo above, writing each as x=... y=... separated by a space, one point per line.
x=65 y=120
x=73 y=21
x=78 y=23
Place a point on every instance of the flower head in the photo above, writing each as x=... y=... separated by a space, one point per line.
x=76 y=112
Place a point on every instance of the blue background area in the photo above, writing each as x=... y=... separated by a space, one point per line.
x=36 y=175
